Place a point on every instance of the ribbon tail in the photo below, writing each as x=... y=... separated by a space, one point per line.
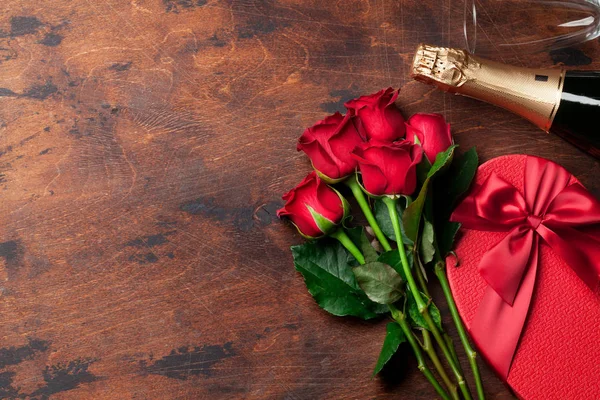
x=496 y=327
x=580 y=250
x=516 y=247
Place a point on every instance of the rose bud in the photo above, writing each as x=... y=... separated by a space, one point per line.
x=430 y=131
x=378 y=115
x=314 y=208
x=328 y=145
x=388 y=168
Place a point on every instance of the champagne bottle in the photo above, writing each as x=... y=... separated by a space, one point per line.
x=566 y=103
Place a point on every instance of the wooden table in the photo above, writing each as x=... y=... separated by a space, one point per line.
x=144 y=148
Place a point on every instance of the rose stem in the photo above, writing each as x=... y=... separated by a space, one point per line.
x=440 y=272
x=423 y=307
x=351 y=247
x=361 y=199
x=419 y=273
x=401 y=320
x=423 y=285
x=422 y=282
x=450 y=344
x=343 y=238
x=427 y=345
x=428 y=348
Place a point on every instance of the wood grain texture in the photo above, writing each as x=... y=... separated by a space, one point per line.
x=144 y=147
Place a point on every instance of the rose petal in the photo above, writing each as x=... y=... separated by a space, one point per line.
x=373 y=179
x=329 y=203
x=380 y=118
x=434 y=133
x=313 y=193
x=328 y=144
x=388 y=168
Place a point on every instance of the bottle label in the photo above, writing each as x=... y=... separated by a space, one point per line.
x=534 y=94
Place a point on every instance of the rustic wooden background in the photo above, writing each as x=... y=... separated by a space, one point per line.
x=144 y=147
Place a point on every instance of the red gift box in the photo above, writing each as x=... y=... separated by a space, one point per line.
x=523 y=285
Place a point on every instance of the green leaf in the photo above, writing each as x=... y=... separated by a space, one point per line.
x=393 y=338
x=380 y=282
x=382 y=215
x=461 y=174
x=412 y=215
x=392 y=258
x=327 y=270
x=447 y=236
x=360 y=239
x=415 y=317
x=423 y=169
x=448 y=193
x=442 y=161
x=427 y=248
x=436 y=316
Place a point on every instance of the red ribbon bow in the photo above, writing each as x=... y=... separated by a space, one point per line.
x=564 y=216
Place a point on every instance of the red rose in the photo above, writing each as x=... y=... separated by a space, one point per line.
x=328 y=145
x=432 y=131
x=379 y=117
x=388 y=168
x=315 y=208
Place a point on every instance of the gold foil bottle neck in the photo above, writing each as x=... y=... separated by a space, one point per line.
x=532 y=93
x=443 y=66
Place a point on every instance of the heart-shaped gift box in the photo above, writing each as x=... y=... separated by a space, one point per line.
x=525 y=277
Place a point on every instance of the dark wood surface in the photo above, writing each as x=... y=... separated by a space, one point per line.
x=144 y=147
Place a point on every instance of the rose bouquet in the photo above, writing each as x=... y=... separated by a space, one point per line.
x=405 y=178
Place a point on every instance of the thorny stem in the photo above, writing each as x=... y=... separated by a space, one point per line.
x=440 y=272
x=427 y=345
x=343 y=238
x=423 y=286
x=420 y=277
x=422 y=306
x=401 y=320
x=428 y=348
